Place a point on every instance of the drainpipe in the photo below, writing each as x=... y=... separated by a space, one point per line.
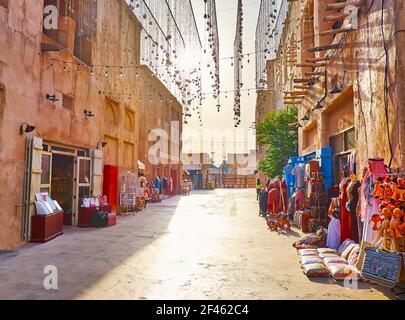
x=26 y=191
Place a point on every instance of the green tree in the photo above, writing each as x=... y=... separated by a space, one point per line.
x=280 y=140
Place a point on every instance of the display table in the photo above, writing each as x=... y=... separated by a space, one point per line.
x=85 y=215
x=46 y=228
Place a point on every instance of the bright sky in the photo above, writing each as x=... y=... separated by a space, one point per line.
x=226 y=13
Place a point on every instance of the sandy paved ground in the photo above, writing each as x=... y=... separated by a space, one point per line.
x=211 y=245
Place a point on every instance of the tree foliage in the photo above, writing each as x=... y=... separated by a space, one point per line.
x=280 y=141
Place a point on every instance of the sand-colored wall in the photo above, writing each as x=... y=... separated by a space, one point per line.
x=158 y=109
x=27 y=74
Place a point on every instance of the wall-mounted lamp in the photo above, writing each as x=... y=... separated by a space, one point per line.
x=26 y=128
x=102 y=144
x=89 y=114
x=335 y=90
x=318 y=106
x=305 y=118
x=52 y=97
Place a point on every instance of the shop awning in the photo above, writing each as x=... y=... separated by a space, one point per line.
x=141 y=165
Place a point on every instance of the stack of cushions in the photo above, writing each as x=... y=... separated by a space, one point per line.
x=312 y=264
x=323 y=262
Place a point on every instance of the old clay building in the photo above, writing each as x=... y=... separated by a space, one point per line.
x=342 y=64
x=70 y=104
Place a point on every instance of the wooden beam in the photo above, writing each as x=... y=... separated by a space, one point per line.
x=317 y=59
x=334 y=31
x=311 y=65
x=295 y=92
x=301 y=80
x=302 y=87
x=323 y=48
x=342 y=5
x=315 y=73
x=336 y=17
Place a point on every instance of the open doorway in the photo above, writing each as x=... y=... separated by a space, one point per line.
x=62 y=186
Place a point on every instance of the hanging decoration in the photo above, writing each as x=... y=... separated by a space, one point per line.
x=212 y=45
x=238 y=64
x=270 y=24
x=171 y=47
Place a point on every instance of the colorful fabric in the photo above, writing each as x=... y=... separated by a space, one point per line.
x=354 y=256
x=300 y=199
x=333 y=240
x=345 y=221
x=368 y=204
x=346 y=253
x=298 y=172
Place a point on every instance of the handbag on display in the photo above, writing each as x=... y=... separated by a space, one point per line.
x=96 y=202
x=382 y=267
x=103 y=201
x=92 y=203
x=86 y=203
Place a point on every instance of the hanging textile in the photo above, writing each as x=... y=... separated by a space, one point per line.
x=345 y=221
x=334 y=234
x=351 y=206
x=370 y=205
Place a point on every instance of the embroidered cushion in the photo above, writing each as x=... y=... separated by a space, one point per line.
x=327 y=250
x=344 y=245
x=310 y=260
x=332 y=260
x=340 y=271
x=316 y=270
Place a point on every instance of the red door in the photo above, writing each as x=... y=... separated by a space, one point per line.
x=175 y=177
x=110 y=185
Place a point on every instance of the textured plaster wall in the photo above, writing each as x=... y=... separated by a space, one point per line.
x=158 y=109
x=20 y=73
x=27 y=75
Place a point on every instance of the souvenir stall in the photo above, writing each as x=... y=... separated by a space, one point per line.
x=309 y=179
x=310 y=199
x=47 y=223
x=131 y=193
x=366 y=234
x=96 y=212
x=276 y=209
x=294 y=171
x=385 y=227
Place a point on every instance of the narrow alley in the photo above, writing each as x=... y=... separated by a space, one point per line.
x=210 y=245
